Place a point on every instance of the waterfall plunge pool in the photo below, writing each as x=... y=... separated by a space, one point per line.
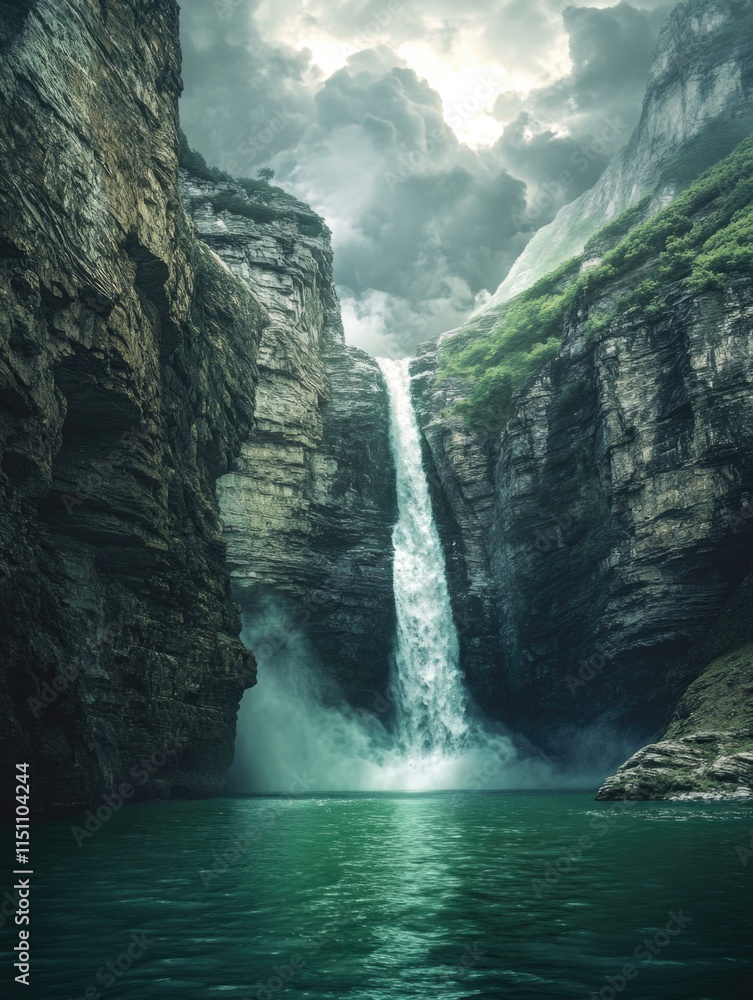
x=382 y=897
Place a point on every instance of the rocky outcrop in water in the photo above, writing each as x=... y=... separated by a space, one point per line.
x=706 y=752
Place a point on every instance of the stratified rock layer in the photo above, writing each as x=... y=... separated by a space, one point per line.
x=594 y=542
x=605 y=522
x=126 y=388
x=706 y=752
x=309 y=506
x=138 y=370
x=459 y=462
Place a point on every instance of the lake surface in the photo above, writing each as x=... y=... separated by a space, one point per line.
x=374 y=897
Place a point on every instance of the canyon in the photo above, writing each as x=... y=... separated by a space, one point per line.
x=186 y=436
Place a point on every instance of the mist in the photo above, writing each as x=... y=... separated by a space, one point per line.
x=296 y=734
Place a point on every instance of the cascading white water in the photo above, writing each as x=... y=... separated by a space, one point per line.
x=432 y=716
x=291 y=735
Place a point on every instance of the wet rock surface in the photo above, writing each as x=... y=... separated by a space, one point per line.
x=706 y=751
x=140 y=366
x=595 y=541
x=604 y=525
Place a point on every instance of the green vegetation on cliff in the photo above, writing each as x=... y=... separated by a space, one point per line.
x=702 y=239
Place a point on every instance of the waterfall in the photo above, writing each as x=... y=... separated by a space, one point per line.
x=292 y=737
x=432 y=716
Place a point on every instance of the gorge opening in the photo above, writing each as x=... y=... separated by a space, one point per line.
x=296 y=733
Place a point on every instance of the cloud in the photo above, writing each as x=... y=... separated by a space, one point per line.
x=610 y=51
x=244 y=100
x=361 y=108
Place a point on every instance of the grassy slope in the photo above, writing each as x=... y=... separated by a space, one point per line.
x=704 y=236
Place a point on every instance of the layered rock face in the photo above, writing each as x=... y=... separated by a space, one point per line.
x=706 y=752
x=460 y=466
x=601 y=523
x=594 y=543
x=698 y=107
x=138 y=370
x=631 y=455
x=309 y=506
x=126 y=388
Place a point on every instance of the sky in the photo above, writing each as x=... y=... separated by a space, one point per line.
x=433 y=139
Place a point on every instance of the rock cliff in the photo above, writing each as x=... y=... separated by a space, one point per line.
x=706 y=752
x=138 y=369
x=459 y=462
x=698 y=106
x=309 y=506
x=596 y=528
x=128 y=381
x=630 y=456
x=594 y=542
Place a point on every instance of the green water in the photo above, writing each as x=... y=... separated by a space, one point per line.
x=375 y=897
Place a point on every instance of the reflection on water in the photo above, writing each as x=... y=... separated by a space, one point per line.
x=377 y=897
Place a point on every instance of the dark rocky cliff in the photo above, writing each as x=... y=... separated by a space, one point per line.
x=595 y=541
x=706 y=751
x=128 y=380
x=599 y=523
x=459 y=462
x=138 y=370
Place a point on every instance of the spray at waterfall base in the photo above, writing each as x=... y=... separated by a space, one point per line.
x=296 y=728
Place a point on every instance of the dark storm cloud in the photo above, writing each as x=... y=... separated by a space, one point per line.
x=559 y=138
x=244 y=100
x=424 y=226
x=611 y=52
x=418 y=217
